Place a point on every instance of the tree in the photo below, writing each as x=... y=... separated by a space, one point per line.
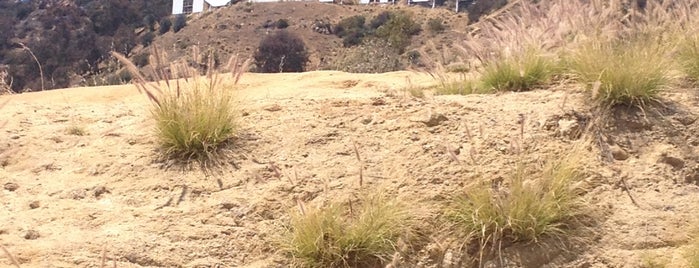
x=282 y=51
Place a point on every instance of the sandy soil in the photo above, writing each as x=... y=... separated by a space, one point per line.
x=67 y=198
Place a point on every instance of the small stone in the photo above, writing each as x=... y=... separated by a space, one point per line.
x=272 y=108
x=100 y=190
x=34 y=204
x=686 y=120
x=31 y=235
x=11 y=186
x=435 y=120
x=619 y=154
x=675 y=162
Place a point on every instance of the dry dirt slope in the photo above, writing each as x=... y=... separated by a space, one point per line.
x=66 y=198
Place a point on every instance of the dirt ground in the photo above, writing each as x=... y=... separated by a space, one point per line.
x=68 y=199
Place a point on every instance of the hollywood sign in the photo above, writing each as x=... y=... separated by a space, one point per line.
x=178 y=6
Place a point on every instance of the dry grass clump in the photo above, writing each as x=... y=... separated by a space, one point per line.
x=531 y=206
x=688 y=57
x=692 y=252
x=517 y=73
x=76 y=131
x=195 y=116
x=339 y=235
x=623 y=72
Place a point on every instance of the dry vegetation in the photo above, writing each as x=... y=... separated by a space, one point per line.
x=195 y=116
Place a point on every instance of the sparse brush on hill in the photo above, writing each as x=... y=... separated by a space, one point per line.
x=528 y=207
x=340 y=235
x=375 y=56
x=195 y=116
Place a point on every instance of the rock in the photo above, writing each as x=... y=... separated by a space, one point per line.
x=686 y=119
x=11 y=186
x=675 y=162
x=32 y=235
x=100 y=190
x=619 y=154
x=435 y=120
x=569 y=128
x=34 y=204
x=272 y=108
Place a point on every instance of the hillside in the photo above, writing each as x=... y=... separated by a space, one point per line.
x=239 y=28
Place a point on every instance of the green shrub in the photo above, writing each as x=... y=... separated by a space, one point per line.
x=282 y=51
x=526 y=208
x=196 y=117
x=354 y=24
x=342 y=236
x=398 y=30
x=380 y=19
x=351 y=30
x=622 y=72
x=517 y=73
x=165 y=25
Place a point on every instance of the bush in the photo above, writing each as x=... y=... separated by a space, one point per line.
x=398 y=31
x=340 y=236
x=149 y=22
x=165 y=25
x=194 y=118
x=180 y=22
x=282 y=24
x=375 y=56
x=351 y=25
x=380 y=20
x=532 y=206
x=435 y=25
x=631 y=72
x=281 y=52
x=141 y=59
x=517 y=73
x=147 y=39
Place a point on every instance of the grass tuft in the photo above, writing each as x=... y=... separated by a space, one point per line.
x=195 y=116
x=460 y=87
x=622 y=72
x=519 y=73
x=531 y=206
x=76 y=131
x=692 y=252
x=342 y=236
x=688 y=57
